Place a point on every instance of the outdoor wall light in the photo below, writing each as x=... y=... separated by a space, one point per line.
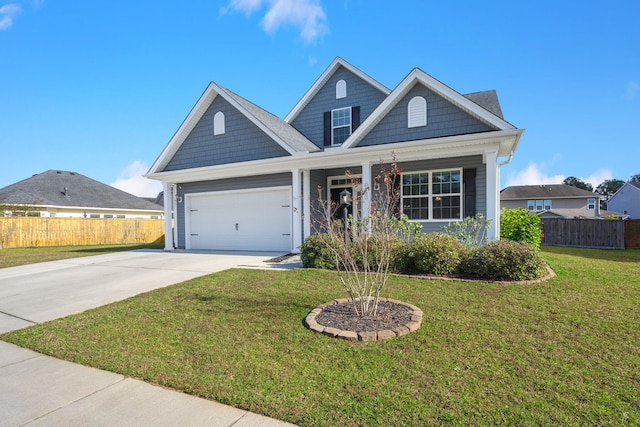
x=345 y=197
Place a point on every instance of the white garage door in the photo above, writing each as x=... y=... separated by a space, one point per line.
x=254 y=220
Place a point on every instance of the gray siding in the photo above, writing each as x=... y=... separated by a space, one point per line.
x=242 y=141
x=359 y=93
x=443 y=119
x=626 y=199
x=243 y=183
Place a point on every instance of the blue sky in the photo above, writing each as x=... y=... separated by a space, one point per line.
x=99 y=87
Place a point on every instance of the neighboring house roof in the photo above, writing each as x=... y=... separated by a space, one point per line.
x=554 y=191
x=488 y=100
x=71 y=189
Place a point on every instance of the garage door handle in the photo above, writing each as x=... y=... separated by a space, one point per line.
x=236 y=226
x=286 y=234
x=285 y=206
x=193 y=234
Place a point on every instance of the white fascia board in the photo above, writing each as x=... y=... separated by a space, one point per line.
x=454 y=146
x=185 y=128
x=414 y=77
x=320 y=82
x=253 y=119
x=194 y=117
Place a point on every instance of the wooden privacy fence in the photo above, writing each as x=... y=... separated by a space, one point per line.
x=23 y=232
x=591 y=233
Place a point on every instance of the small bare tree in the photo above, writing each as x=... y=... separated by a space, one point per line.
x=363 y=248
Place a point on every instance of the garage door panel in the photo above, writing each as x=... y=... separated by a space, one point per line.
x=255 y=220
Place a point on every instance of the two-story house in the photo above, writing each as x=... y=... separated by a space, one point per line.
x=554 y=200
x=240 y=178
x=626 y=200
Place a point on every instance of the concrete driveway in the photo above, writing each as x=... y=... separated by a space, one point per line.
x=37 y=293
x=40 y=390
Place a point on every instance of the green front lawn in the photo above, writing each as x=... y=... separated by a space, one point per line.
x=561 y=352
x=13 y=257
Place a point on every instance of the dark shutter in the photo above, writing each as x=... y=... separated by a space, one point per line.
x=355 y=118
x=327 y=128
x=469 y=188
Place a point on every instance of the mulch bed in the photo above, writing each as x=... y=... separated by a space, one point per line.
x=343 y=316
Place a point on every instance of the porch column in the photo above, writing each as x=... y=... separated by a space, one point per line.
x=296 y=210
x=168 y=215
x=306 y=199
x=493 y=193
x=367 y=188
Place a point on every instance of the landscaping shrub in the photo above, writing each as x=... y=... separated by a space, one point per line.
x=520 y=225
x=503 y=260
x=315 y=252
x=436 y=253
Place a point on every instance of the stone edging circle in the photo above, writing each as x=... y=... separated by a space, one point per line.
x=411 y=326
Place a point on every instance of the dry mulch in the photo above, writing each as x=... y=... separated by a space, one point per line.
x=343 y=316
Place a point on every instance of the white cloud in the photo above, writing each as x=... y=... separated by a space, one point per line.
x=306 y=15
x=7 y=13
x=598 y=177
x=631 y=90
x=532 y=175
x=131 y=180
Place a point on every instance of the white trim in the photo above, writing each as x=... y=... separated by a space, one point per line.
x=417 y=112
x=209 y=95
x=322 y=80
x=418 y=76
x=168 y=220
x=296 y=210
x=341 y=89
x=306 y=197
x=493 y=193
x=430 y=196
x=219 y=123
x=454 y=146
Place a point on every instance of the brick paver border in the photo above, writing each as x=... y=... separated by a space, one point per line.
x=411 y=326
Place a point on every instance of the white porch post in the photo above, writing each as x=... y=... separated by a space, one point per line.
x=493 y=193
x=296 y=210
x=306 y=199
x=367 y=188
x=168 y=216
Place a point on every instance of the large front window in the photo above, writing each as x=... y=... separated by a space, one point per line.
x=433 y=195
x=340 y=125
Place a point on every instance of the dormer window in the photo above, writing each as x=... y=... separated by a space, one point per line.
x=340 y=125
x=218 y=123
x=417 y=112
x=341 y=89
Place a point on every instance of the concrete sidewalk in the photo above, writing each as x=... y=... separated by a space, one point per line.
x=40 y=390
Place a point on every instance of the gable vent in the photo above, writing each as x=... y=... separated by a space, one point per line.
x=341 y=89
x=417 y=112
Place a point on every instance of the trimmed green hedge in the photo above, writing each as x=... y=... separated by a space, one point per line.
x=441 y=254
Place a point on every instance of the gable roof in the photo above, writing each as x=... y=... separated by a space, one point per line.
x=71 y=189
x=554 y=191
x=324 y=77
x=279 y=131
x=417 y=76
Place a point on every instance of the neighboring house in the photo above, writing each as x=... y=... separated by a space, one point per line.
x=552 y=201
x=64 y=194
x=626 y=200
x=240 y=178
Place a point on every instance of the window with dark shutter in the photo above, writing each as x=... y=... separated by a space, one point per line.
x=355 y=118
x=327 y=128
x=469 y=183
